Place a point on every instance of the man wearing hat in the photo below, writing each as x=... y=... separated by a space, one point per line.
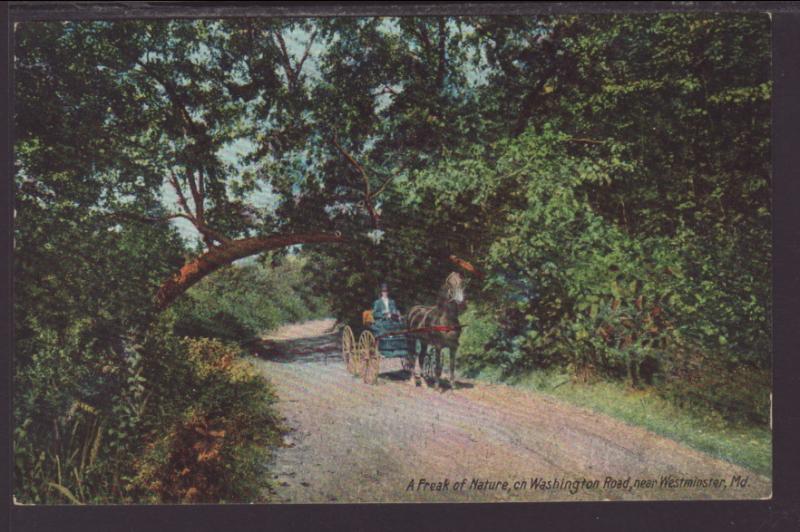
x=384 y=308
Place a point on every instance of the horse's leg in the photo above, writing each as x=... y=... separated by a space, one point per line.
x=417 y=369
x=452 y=351
x=419 y=362
x=411 y=357
x=438 y=365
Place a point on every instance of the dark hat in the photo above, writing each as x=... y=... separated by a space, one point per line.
x=384 y=287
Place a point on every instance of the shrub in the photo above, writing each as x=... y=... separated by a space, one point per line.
x=77 y=414
x=170 y=420
x=701 y=381
x=217 y=450
x=478 y=344
x=243 y=301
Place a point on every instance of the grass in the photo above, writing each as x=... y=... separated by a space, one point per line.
x=746 y=445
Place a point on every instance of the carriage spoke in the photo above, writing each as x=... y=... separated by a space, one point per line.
x=348 y=348
x=367 y=347
x=370 y=357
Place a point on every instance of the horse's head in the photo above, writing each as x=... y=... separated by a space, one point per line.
x=454 y=288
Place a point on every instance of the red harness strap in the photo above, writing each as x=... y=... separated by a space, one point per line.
x=433 y=328
x=438 y=328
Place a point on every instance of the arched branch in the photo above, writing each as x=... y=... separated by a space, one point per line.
x=233 y=250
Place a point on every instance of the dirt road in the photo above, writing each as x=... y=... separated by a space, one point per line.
x=352 y=442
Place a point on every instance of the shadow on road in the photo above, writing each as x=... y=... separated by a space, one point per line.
x=401 y=375
x=320 y=349
x=395 y=375
x=325 y=348
x=445 y=384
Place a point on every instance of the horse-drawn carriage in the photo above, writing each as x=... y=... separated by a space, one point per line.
x=379 y=339
x=398 y=337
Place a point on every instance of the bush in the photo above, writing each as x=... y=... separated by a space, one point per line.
x=147 y=425
x=702 y=382
x=217 y=447
x=479 y=341
x=243 y=301
x=77 y=413
x=567 y=285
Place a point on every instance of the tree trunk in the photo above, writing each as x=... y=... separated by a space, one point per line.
x=217 y=257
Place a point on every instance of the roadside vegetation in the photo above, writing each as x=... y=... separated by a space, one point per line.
x=175 y=415
x=745 y=444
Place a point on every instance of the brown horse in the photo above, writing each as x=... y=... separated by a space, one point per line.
x=443 y=327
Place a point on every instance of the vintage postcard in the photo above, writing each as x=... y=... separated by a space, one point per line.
x=379 y=259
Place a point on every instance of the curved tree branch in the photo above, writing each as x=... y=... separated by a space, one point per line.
x=218 y=257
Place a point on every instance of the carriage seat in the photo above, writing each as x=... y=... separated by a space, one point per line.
x=366 y=318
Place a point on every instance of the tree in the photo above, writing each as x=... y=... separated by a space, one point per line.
x=658 y=126
x=388 y=133
x=110 y=113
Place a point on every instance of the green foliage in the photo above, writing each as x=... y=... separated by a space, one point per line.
x=569 y=287
x=482 y=344
x=628 y=223
x=242 y=301
x=83 y=290
x=93 y=427
x=219 y=439
x=78 y=409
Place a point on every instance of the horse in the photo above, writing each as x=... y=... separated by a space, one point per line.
x=443 y=328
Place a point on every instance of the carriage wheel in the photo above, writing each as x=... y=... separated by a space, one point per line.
x=357 y=357
x=371 y=357
x=348 y=348
x=361 y=353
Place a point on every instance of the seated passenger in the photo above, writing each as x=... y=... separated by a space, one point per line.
x=384 y=308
